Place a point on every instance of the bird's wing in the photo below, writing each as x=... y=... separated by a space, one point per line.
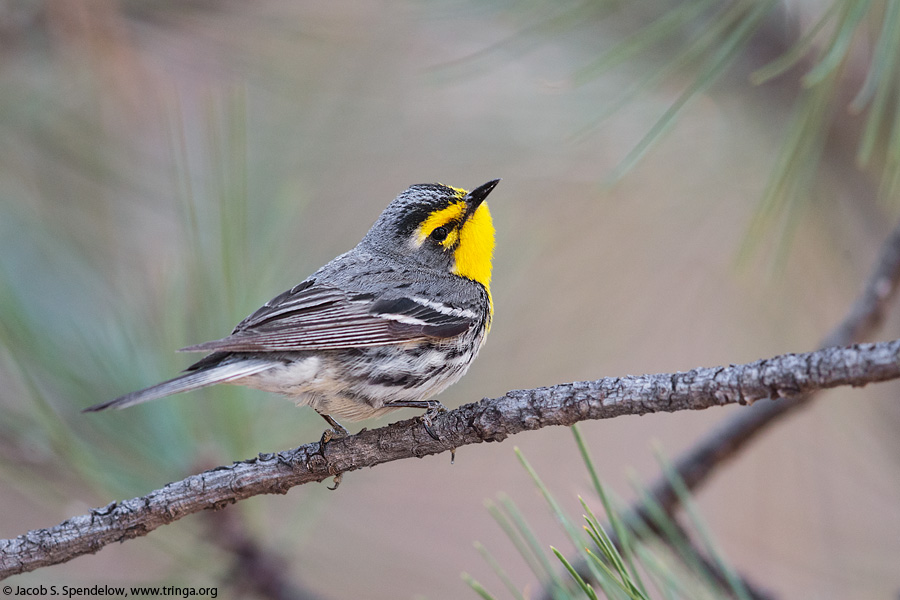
x=318 y=317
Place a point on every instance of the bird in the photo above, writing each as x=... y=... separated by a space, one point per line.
x=387 y=325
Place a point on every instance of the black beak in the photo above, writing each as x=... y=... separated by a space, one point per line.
x=476 y=197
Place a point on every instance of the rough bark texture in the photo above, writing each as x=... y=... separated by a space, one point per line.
x=863 y=319
x=699 y=462
x=491 y=420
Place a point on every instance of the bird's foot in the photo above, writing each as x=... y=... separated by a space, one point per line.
x=434 y=409
x=336 y=432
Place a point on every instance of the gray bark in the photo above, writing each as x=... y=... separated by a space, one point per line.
x=490 y=420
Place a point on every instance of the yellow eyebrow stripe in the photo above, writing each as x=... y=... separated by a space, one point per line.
x=439 y=218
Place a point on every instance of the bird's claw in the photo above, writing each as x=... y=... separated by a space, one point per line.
x=427 y=419
x=337 y=431
x=337 y=481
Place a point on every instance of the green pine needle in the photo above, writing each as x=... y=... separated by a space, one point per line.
x=585 y=587
x=499 y=571
x=477 y=587
x=690 y=507
x=619 y=527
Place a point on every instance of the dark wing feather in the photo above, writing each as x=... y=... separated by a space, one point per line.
x=318 y=317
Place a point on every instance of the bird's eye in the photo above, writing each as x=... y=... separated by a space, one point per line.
x=440 y=234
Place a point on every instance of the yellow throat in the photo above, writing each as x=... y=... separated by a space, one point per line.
x=474 y=241
x=474 y=254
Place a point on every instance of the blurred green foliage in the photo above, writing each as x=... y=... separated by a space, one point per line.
x=126 y=229
x=66 y=321
x=649 y=560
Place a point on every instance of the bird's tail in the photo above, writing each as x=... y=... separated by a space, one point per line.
x=191 y=380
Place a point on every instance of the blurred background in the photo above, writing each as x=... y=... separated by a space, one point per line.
x=166 y=167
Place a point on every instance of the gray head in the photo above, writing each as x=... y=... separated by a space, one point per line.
x=438 y=226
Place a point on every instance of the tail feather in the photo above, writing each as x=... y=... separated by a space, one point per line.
x=192 y=380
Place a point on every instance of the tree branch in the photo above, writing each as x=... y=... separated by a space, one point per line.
x=862 y=321
x=697 y=464
x=785 y=376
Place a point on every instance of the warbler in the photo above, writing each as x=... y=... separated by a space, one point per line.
x=387 y=325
